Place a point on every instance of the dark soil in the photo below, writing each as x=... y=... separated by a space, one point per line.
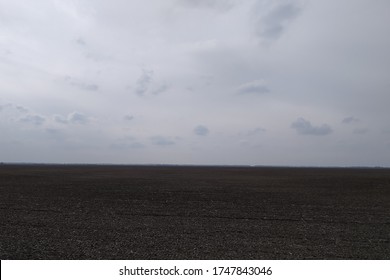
x=172 y=212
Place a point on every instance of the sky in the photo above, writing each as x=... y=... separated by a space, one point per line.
x=226 y=82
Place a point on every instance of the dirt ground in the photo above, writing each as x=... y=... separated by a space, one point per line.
x=176 y=212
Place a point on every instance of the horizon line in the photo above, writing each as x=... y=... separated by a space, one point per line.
x=197 y=165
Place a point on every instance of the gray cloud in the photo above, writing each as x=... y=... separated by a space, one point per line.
x=304 y=127
x=272 y=25
x=161 y=141
x=18 y=108
x=33 y=119
x=55 y=134
x=90 y=87
x=2 y=107
x=144 y=82
x=129 y=145
x=127 y=142
x=128 y=117
x=75 y=118
x=256 y=131
x=81 y=84
x=148 y=84
x=253 y=87
x=81 y=41
x=21 y=109
x=79 y=118
x=386 y=131
x=61 y=119
x=162 y=88
x=52 y=131
x=349 y=120
x=207 y=80
x=219 y=5
x=5 y=106
x=201 y=130
x=360 y=131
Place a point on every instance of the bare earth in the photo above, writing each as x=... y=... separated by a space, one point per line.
x=172 y=212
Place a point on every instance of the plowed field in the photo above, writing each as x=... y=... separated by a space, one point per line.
x=175 y=212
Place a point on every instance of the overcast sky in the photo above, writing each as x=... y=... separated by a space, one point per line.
x=289 y=82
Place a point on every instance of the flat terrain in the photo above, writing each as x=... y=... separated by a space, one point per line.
x=172 y=212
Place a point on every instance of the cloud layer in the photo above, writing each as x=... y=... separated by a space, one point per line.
x=195 y=81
